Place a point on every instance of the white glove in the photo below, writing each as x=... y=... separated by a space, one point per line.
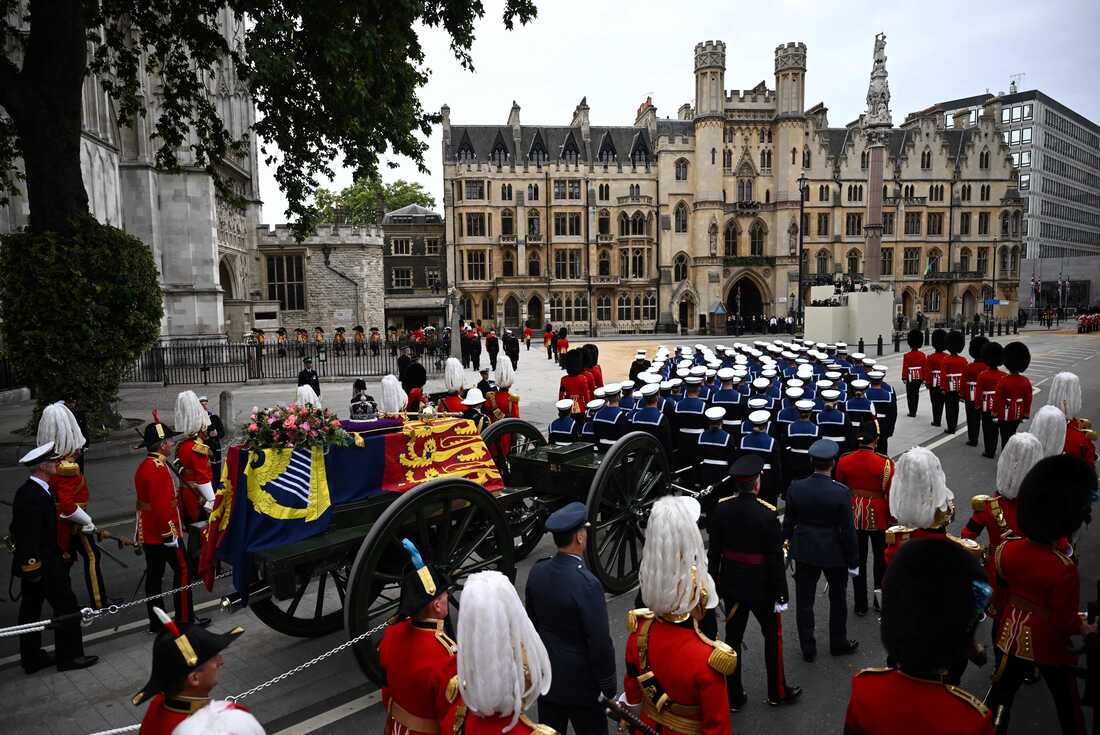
x=207 y=491
x=780 y=607
x=208 y=506
x=634 y=709
x=171 y=543
x=81 y=517
x=854 y=571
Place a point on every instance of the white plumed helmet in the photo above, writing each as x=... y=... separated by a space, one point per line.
x=58 y=425
x=919 y=488
x=191 y=417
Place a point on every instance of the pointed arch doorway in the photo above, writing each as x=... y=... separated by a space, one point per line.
x=745 y=299
x=534 y=312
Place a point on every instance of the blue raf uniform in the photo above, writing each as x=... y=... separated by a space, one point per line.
x=566 y=604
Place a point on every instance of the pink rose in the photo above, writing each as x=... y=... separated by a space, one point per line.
x=304 y=426
x=253 y=427
x=273 y=420
x=289 y=423
x=336 y=423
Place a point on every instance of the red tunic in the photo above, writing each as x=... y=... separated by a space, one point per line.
x=471 y=723
x=577 y=388
x=194 y=462
x=69 y=493
x=1077 y=444
x=912 y=365
x=868 y=475
x=996 y=515
x=563 y=345
x=419 y=660
x=1012 y=401
x=987 y=389
x=503 y=405
x=416 y=398
x=164 y=714
x=970 y=379
x=546 y=336
x=158 y=511
x=888 y=702
x=451 y=404
x=932 y=368
x=597 y=374
x=896 y=536
x=684 y=662
x=527 y=332
x=951 y=373
x=1043 y=598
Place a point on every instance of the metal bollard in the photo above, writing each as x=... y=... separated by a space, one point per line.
x=897 y=341
x=859 y=349
x=928 y=335
x=999 y=324
x=879 y=353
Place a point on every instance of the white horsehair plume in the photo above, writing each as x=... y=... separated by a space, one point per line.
x=1049 y=427
x=58 y=425
x=191 y=417
x=308 y=397
x=1020 y=454
x=919 y=488
x=394 y=398
x=505 y=374
x=503 y=666
x=453 y=377
x=673 y=571
x=1065 y=393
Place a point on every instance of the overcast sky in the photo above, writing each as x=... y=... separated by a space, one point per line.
x=617 y=53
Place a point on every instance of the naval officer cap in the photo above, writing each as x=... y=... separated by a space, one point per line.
x=760 y=417
x=824 y=449
x=38 y=455
x=569 y=517
x=715 y=413
x=649 y=389
x=749 y=465
x=564 y=404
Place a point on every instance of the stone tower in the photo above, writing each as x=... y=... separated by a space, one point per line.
x=710 y=102
x=790 y=104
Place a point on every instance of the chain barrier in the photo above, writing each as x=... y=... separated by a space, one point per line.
x=275 y=680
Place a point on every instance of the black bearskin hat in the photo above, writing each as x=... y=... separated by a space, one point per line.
x=930 y=605
x=563 y=333
x=415 y=376
x=573 y=361
x=939 y=339
x=977 y=346
x=595 y=352
x=1017 y=357
x=1054 y=498
x=993 y=354
x=956 y=341
x=915 y=339
x=548 y=328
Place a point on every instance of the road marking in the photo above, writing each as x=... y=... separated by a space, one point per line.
x=333 y=715
x=946 y=438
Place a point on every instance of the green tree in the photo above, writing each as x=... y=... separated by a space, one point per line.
x=358 y=204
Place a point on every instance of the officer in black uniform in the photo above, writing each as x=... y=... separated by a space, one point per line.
x=43 y=573
x=746 y=560
x=566 y=604
x=564 y=429
x=818 y=523
x=308 y=376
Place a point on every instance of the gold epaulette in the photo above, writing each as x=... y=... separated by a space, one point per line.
x=978 y=502
x=1084 y=424
x=968 y=698
x=200 y=447
x=537 y=728
x=513 y=401
x=1066 y=559
x=874 y=670
x=766 y=504
x=633 y=616
x=971 y=546
x=723 y=658
x=1091 y=435
x=452 y=689
x=895 y=531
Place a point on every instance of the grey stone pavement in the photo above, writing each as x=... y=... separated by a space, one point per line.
x=334 y=697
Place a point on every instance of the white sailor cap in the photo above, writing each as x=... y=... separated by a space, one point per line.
x=820 y=345
x=627 y=386
x=715 y=364
x=38 y=455
x=720 y=348
x=640 y=353
x=741 y=359
x=685 y=364
x=761 y=383
x=649 y=389
x=676 y=381
x=875 y=375
x=758 y=403
x=600 y=392
x=564 y=404
x=789 y=355
x=860 y=384
x=666 y=385
x=693 y=379
x=794 y=392
x=203 y=398
x=769 y=372
x=596 y=404
x=711 y=372
x=612 y=389
x=830 y=394
x=800 y=361
x=726 y=374
x=686 y=349
x=759 y=417
x=804 y=405
x=842 y=345
x=715 y=413
x=699 y=346
x=857 y=356
x=698 y=370
x=879 y=368
x=868 y=361
x=795 y=383
x=833 y=375
x=649 y=377
x=825 y=383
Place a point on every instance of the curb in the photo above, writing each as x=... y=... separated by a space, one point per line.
x=10 y=452
x=16 y=395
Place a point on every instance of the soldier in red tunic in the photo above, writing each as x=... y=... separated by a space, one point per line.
x=933 y=597
x=676 y=675
x=594 y=358
x=986 y=395
x=952 y=368
x=453 y=380
x=1042 y=610
x=996 y=514
x=186 y=660
x=932 y=371
x=196 y=491
x=501 y=403
x=913 y=364
x=159 y=529
x=970 y=389
x=1012 y=401
x=415 y=378
x=562 y=345
x=417 y=653
x=574 y=385
x=502 y=663
x=1065 y=393
x=868 y=475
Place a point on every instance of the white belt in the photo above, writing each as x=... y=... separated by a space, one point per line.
x=800 y=451
x=722 y=462
x=607 y=441
x=691 y=431
x=767 y=466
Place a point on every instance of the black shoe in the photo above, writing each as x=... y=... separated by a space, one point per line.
x=738 y=705
x=912 y=415
x=80 y=662
x=878 y=606
x=936 y=423
x=948 y=431
x=202 y=622
x=809 y=657
x=860 y=612
x=41 y=661
x=971 y=444
x=989 y=456
x=847 y=648
x=789 y=697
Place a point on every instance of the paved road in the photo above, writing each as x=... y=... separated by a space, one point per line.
x=333 y=697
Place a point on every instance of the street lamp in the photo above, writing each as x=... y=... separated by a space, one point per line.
x=801 y=232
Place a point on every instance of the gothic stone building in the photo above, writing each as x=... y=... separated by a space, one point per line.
x=416 y=268
x=677 y=222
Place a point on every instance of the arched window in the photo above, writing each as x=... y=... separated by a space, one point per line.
x=637 y=263
x=805 y=158
x=932 y=300
x=533 y=263
x=822 y=262
x=730 y=240
x=744 y=190
x=769 y=159
x=853 y=261
x=604 y=222
x=823 y=193
x=508 y=264
x=681 y=217
x=534 y=227
x=1015 y=263
x=603 y=308
x=794 y=156
x=637 y=224
x=506 y=192
x=727 y=158
x=533 y=192
x=926 y=159
x=604 y=263
x=488 y=308
x=983 y=159
x=1004 y=259
x=964 y=193
x=964 y=260
x=934 y=258
x=682 y=170
x=624 y=308
x=1004 y=223
x=466 y=308
x=769 y=135
x=756 y=238
x=680 y=268
x=624 y=225
x=649 y=307
x=864 y=160
x=1016 y=218
x=884 y=191
x=768 y=195
x=507 y=226
x=761 y=135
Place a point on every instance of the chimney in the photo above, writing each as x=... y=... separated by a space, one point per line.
x=379 y=208
x=445 y=113
x=1012 y=87
x=580 y=119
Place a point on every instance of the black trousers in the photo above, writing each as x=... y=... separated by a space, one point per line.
x=84 y=547
x=912 y=394
x=805 y=587
x=771 y=626
x=586 y=719
x=493 y=360
x=989 y=434
x=877 y=541
x=52 y=587
x=157 y=557
x=973 y=424
x=1060 y=680
x=936 y=396
x=1008 y=428
x=951 y=409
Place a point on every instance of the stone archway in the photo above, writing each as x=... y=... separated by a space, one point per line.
x=534 y=313
x=511 y=312
x=745 y=298
x=687 y=311
x=907 y=303
x=226 y=279
x=969 y=305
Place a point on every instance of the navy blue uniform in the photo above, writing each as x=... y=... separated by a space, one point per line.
x=566 y=604
x=857 y=410
x=769 y=449
x=608 y=425
x=688 y=422
x=886 y=409
x=731 y=400
x=653 y=420
x=715 y=451
x=833 y=424
x=801 y=434
x=564 y=430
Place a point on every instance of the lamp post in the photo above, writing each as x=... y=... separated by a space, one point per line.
x=801 y=233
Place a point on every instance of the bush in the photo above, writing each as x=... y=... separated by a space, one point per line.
x=77 y=310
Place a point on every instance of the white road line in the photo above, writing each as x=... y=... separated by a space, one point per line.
x=333 y=715
x=946 y=438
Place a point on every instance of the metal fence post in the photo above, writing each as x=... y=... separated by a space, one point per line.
x=860 y=348
x=897 y=341
x=879 y=346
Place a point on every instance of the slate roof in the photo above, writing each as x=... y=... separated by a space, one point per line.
x=483 y=139
x=411 y=213
x=836 y=140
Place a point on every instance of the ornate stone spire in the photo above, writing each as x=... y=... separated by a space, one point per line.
x=878 y=92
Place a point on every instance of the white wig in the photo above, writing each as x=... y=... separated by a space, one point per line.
x=58 y=425
x=453 y=377
x=394 y=398
x=673 y=572
x=1020 y=454
x=1049 y=426
x=307 y=397
x=1065 y=393
x=220 y=718
x=191 y=417
x=505 y=374
x=503 y=666
x=919 y=488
